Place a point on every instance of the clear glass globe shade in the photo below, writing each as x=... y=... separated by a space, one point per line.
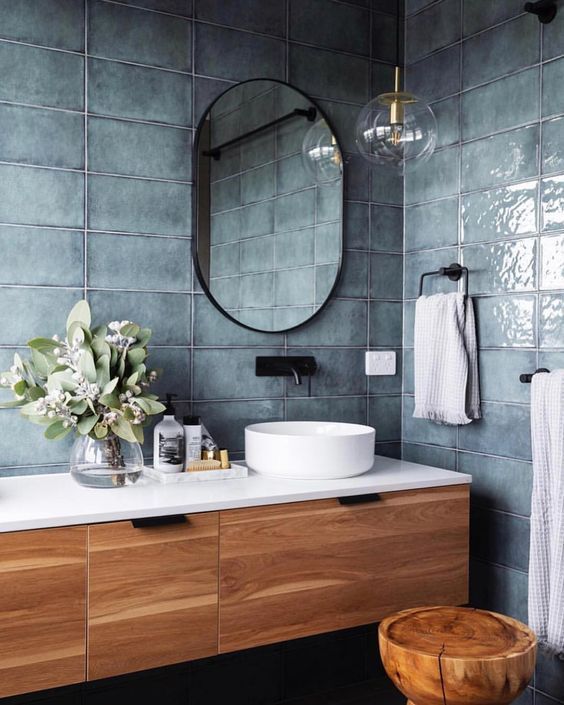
x=321 y=155
x=404 y=146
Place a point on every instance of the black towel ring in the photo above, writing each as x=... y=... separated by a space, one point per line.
x=454 y=271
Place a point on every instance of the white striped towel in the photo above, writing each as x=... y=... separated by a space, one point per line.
x=446 y=360
x=546 y=562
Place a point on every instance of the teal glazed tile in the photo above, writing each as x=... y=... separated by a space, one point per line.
x=384 y=38
x=501 y=50
x=551 y=317
x=551 y=360
x=226 y=421
x=499 y=374
x=382 y=78
x=328 y=243
x=499 y=538
x=265 y=16
x=447 y=114
x=225 y=194
x=324 y=74
x=294 y=249
x=138 y=206
x=329 y=379
x=412 y=6
x=354 y=278
x=553 y=145
x=27 y=313
x=285 y=317
x=206 y=90
x=437 y=76
x=432 y=225
x=329 y=203
x=479 y=15
x=294 y=287
x=174 y=364
x=386 y=276
x=129 y=34
x=166 y=314
x=499 y=589
x=31 y=196
x=225 y=227
x=502 y=266
x=31 y=446
x=552 y=98
x=356 y=226
x=41 y=77
x=423 y=431
x=385 y=323
x=294 y=211
x=229 y=373
x=340 y=323
x=177 y=7
x=339 y=409
x=428 y=261
x=508 y=211
x=506 y=103
x=549 y=679
x=134 y=149
x=384 y=414
x=508 y=156
x=237 y=56
x=52 y=23
x=257 y=254
x=499 y=483
x=552 y=262
x=386 y=228
x=357 y=182
x=257 y=184
x=257 y=219
x=506 y=321
x=429 y=455
x=27 y=256
x=123 y=90
x=434 y=28
x=41 y=137
x=137 y=262
x=437 y=178
x=212 y=329
x=260 y=318
x=408 y=322
x=552 y=201
x=257 y=290
x=408 y=371
x=291 y=175
x=330 y=25
x=504 y=429
x=387 y=384
x=226 y=292
x=259 y=150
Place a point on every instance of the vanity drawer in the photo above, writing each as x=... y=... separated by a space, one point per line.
x=42 y=609
x=152 y=594
x=293 y=570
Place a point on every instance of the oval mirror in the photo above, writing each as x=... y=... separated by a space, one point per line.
x=268 y=205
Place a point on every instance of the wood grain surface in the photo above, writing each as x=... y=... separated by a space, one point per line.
x=42 y=609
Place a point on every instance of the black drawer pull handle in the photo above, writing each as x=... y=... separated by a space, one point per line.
x=148 y=522
x=360 y=499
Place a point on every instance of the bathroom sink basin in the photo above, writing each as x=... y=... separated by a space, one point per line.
x=306 y=450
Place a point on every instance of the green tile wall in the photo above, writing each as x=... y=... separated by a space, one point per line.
x=491 y=197
x=98 y=104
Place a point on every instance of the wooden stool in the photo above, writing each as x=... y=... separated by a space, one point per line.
x=457 y=656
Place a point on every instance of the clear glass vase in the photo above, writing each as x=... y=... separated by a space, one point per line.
x=107 y=462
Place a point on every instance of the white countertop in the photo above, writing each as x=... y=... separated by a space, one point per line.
x=42 y=501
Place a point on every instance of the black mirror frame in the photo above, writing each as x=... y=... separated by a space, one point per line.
x=195 y=187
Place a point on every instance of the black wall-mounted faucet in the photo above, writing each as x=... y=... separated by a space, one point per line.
x=296 y=366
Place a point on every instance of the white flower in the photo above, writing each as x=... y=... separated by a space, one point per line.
x=56 y=338
x=4 y=381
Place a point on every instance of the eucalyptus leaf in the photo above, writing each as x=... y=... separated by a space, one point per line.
x=35 y=393
x=80 y=312
x=20 y=387
x=123 y=429
x=56 y=430
x=43 y=344
x=100 y=430
x=111 y=400
x=130 y=330
x=100 y=347
x=138 y=432
x=86 y=424
x=87 y=366
x=143 y=338
x=41 y=363
x=136 y=356
x=149 y=406
x=103 y=371
x=110 y=386
x=78 y=407
x=12 y=404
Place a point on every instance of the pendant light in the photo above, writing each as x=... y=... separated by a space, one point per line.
x=321 y=155
x=396 y=129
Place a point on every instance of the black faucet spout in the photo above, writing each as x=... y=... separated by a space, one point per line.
x=296 y=373
x=296 y=366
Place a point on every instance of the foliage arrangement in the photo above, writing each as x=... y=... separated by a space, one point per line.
x=94 y=381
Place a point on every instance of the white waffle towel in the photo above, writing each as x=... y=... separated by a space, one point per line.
x=447 y=390
x=546 y=562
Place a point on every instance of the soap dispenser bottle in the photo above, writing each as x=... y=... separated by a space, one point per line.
x=168 y=441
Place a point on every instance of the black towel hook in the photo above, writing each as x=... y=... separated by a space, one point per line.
x=454 y=271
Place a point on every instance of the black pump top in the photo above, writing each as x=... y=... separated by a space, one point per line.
x=169 y=410
x=192 y=421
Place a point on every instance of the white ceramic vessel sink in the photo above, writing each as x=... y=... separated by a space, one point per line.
x=306 y=450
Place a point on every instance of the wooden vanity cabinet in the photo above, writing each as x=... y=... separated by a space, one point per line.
x=294 y=570
x=152 y=594
x=42 y=609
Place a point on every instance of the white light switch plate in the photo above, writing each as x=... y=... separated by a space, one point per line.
x=380 y=362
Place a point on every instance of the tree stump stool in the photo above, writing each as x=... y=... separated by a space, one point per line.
x=457 y=656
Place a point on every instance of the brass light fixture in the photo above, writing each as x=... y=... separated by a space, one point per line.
x=396 y=129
